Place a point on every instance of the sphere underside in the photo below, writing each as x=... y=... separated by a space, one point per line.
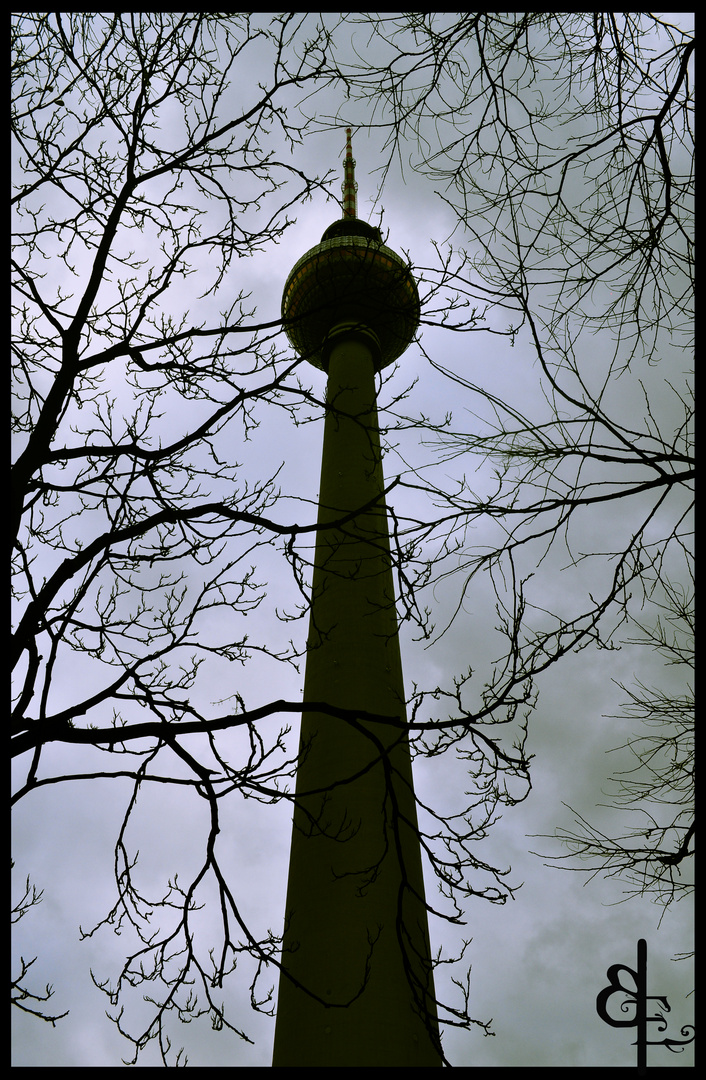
x=350 y=279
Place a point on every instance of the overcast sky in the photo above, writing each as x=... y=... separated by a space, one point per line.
x=539 y=961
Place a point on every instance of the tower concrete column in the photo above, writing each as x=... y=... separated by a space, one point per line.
x=356 y=938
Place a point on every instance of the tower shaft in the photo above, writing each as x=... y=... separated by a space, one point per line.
x=357 y=987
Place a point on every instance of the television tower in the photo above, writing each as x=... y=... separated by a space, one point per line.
x=357 y=985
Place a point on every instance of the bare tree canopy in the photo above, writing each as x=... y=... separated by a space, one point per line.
x=563 y=146
x=162 y=517
x=654 y=852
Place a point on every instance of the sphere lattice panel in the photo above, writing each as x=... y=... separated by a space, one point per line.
x=351 y=279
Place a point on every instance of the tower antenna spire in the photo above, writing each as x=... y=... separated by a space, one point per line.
x=349 y=186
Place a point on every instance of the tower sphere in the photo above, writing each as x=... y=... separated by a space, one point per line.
x=350 y=278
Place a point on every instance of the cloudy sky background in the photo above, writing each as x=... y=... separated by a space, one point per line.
x=539 y=961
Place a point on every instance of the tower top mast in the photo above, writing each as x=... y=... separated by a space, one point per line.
x=351 y=278
x=349 y=186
